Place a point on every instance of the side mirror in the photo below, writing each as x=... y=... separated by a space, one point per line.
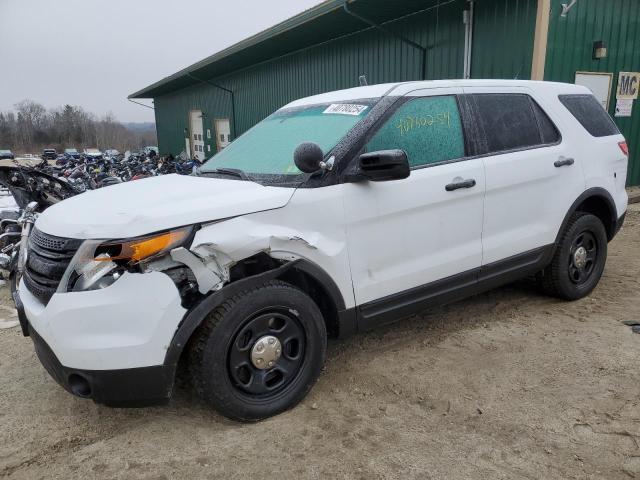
x=384 y=165
x=307 y=157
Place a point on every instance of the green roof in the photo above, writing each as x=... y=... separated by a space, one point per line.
x=322 y=23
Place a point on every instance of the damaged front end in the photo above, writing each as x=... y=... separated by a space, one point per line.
x=99 y=263
x=196 y=270
x=131 y=305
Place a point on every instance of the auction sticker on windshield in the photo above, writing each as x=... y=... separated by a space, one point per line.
x=345 y=108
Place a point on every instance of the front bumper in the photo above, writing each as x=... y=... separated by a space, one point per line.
x=129 y=324
x=133 y=387
x=110 y=344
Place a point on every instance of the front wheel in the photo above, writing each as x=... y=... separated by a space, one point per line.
x=260 y=352
x=579 y=259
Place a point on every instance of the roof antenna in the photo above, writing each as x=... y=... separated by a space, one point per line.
x=517 y=77
x=362 y=79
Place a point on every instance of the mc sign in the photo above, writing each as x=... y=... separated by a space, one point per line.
x=628 y=85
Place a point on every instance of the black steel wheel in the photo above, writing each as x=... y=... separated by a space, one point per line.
x=582 y=257
x=260 y=352
x=267 y=352
x=579 y=258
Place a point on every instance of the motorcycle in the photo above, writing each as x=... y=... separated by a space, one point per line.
x=13 y=257
x=188 y=166
x=33 y=191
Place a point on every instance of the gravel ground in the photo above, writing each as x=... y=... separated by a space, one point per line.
x=505 y=385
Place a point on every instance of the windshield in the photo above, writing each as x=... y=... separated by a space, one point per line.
x=71 y=150
x=266 y=150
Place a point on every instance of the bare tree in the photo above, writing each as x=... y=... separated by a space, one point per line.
x=7 y=130
x=32 y=128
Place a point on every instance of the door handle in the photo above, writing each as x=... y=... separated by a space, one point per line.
x=470 y=183
x=563 y=162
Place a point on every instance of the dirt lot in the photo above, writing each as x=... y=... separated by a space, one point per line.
x=509 y=384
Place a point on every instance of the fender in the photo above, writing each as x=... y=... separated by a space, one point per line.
x=199 y=312
x=592 y=192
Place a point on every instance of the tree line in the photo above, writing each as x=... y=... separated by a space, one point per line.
x=30 y=127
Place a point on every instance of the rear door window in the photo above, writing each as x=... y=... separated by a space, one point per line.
x=589 y=112
x=428 y=129
x=509 y=121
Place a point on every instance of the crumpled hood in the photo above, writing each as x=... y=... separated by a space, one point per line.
x=144 y=206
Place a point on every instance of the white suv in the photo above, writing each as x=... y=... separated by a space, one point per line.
x=337 y=213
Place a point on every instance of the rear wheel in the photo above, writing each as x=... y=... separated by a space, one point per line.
x=259 y=353
x=579 y=259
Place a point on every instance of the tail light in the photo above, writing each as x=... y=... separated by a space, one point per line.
x=625 y=149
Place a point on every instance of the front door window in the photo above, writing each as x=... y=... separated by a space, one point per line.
x=428 y=129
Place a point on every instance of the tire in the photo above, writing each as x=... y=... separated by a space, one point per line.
x=224 y=352
x=571 y=275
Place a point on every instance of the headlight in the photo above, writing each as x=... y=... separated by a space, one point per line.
x=99 y=263
x=137 y=249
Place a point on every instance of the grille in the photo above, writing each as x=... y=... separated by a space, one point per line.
x=47 y=241
x=47 y=260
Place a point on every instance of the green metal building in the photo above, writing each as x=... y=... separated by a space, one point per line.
x=202 y=107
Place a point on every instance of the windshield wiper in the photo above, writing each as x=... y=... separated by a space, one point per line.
x=236 y=172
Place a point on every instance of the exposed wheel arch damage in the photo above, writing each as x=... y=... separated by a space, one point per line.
x=302 y=273
x=261 y=268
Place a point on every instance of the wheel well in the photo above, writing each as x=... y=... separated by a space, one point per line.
x=601 y=208
x=298 y=277
x=318 y=293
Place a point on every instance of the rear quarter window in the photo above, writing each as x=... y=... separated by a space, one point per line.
x=588 y=111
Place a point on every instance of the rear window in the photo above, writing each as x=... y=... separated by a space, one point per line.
x=589 y=112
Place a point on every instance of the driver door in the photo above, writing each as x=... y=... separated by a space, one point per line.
x=414 y=240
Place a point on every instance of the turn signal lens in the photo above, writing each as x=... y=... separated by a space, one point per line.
x=140 y=248
x=625 y=149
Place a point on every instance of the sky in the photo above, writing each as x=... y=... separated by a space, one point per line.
x=94 y=53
